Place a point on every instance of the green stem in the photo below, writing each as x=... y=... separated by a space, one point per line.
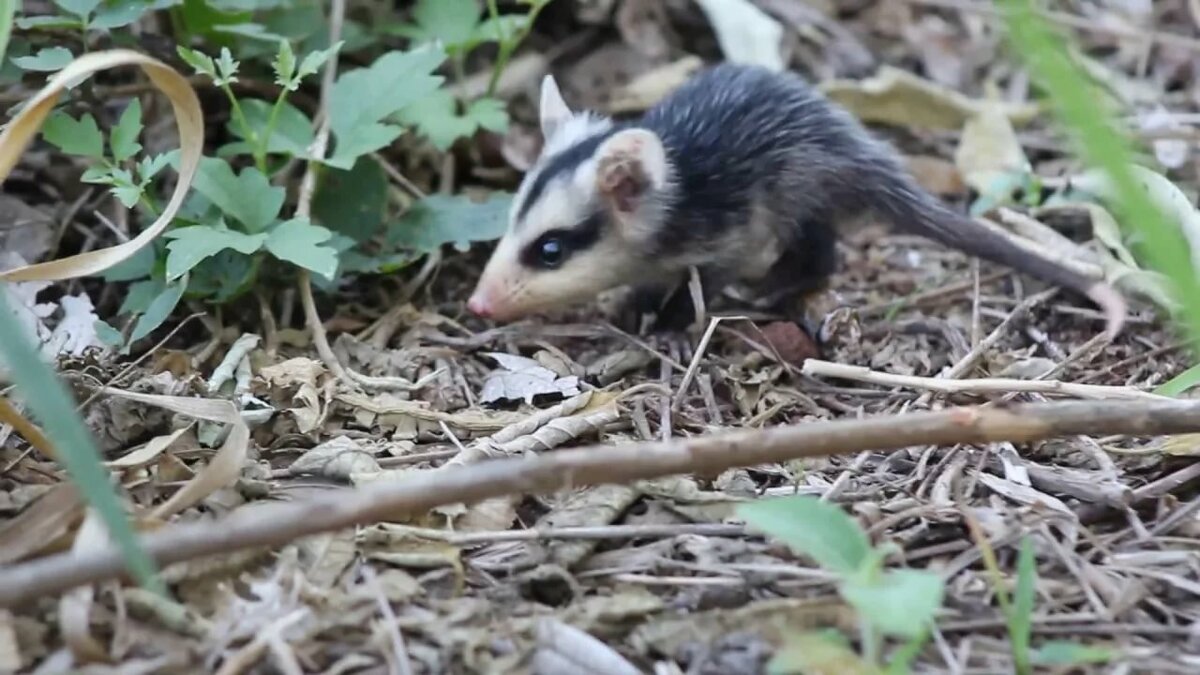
x=870 y=640
x=260 y=151
x=239 y=118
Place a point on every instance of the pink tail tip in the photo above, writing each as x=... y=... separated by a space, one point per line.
x=1115 y=309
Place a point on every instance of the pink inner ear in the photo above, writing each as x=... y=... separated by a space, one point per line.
x=622 y=180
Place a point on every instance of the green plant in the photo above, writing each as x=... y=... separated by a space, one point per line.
x=1018 y=614
x=1100 y=142
x=50 y=402
x=897 y=603
x=234 y=225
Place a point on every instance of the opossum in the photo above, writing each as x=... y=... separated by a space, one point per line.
x=742 y=173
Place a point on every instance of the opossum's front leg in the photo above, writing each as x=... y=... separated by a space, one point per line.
x=801 y=272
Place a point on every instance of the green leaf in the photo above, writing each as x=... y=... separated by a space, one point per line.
x=818 y=653
x=818 y=529
x=124 y=12
x=362 y=140
x=444 y=219
x=248 y=198
x=900 y=602
x=48 y=400
x=128 y=195
x=80 y=8
x=159 y=309
x=49 y=22
x=438 y=118
x=224 y=276
x=363 y=97
x=1180 y=383
x=299 y=241
x=150 y=166
x=1103 y=144
x=47 y=59
x=500 y=28
x=202 y=62
x=190 y=245
x=8 y=9
x=123 y=139
x=74 y=137
x=285 y=65
x=1020 y=619
x=293 y=132
x=227 y=68
x=352 y=202
x=137 y=266
x=451 y=21
x=313 y=62
x=1063 y=653
x=140 y=295
x=108 y=335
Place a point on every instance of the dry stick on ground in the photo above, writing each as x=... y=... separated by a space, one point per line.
x=1001 y=385
x=308 y=186
x=278 y=523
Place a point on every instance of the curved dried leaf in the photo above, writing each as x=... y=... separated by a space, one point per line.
x=189 y=121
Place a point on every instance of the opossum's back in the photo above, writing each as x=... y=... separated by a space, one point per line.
x=735 y=120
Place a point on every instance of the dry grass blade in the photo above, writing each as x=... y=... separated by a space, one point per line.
x=224 y=467
x=188 y=119
x=992 y=385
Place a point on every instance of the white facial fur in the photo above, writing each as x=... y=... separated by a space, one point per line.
x=628 y=165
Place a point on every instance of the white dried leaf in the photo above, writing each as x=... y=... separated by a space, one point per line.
x=338 y=457
x=522 y=379
x=746 y=33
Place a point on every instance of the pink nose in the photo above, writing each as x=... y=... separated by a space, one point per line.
x=479 y=306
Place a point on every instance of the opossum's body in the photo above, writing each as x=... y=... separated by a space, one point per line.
x=741 y=172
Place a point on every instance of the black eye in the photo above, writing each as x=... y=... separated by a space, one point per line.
x=551 y=251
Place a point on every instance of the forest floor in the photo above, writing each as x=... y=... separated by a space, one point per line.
x=660 y=570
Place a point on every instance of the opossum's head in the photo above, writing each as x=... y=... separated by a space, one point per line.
x=580 y=217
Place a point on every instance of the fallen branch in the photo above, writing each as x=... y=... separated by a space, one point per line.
x=278 y=523
x=995 y=385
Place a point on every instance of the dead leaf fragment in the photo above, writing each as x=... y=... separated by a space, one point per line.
x=340 y=457
x=900 y=98
x=746 y=33
x=521 y=379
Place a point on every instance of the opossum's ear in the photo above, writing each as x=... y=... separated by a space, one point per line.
x=630 y=165
x=553 y=110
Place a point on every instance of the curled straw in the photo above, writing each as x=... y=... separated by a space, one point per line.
x=21 y=130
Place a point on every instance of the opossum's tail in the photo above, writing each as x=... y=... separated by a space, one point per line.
x=911 y=209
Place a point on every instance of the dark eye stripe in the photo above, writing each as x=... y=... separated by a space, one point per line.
x=575 y=239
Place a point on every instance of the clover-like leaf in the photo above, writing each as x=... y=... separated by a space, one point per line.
x=364 y=97
x=248 y=197
x=284 y=64
x=299 y=241
x=47 y=59
x=123 y=139
x=444 y=219
x=352 y=202
x=159 y=309
x=438 y=118
x=821 y=530
x=74 y=137
x=190 y=245
x=901 y=602
x=453 y=22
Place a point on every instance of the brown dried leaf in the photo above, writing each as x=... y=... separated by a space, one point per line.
x=898 y=97
x=43 y=525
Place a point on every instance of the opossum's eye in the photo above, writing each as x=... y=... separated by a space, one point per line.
x=551 y=252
